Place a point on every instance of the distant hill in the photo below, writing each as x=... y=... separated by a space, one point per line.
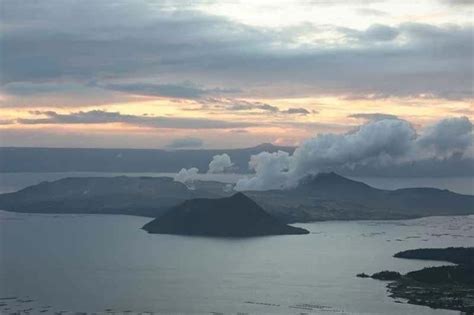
x=235 y=216
x=122 y=160
x=329 y=196
x=143 y=196
x=336 y=187
x=326 y=196
x=332 y=185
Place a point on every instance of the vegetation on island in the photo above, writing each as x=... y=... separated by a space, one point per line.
x=446 y=287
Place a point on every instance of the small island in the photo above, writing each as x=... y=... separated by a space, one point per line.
x=235 y=216
x=447 y=287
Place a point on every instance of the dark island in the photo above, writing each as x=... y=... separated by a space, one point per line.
x=235 y=216
x=447 y=287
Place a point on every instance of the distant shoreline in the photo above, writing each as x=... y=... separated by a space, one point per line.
x=13 y=181
x=323 y=197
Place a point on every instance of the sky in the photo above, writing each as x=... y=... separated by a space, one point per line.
x=227 y=74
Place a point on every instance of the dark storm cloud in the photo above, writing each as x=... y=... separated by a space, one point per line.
x=104 y=117
x=103 y=40
x=185 y=143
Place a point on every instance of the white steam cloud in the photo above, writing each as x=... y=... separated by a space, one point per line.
x=220 y=163
x=380 y=142
x=187 y=176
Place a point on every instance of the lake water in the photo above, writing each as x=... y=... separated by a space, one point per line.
x=94 y=263
x=97 y=262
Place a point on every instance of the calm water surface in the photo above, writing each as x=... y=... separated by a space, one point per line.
x=98 y=262
x=94 y=263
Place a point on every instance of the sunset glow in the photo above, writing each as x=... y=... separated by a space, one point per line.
x=254 y=72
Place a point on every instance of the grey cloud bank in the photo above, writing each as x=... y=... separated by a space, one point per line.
x=46 y=41
x=104 y=117
x=183 y=90
x=239 y=105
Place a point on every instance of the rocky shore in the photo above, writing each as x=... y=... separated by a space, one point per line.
x=448 y=296
x=446 y=287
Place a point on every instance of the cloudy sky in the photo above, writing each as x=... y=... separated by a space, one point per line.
x=173 y=74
